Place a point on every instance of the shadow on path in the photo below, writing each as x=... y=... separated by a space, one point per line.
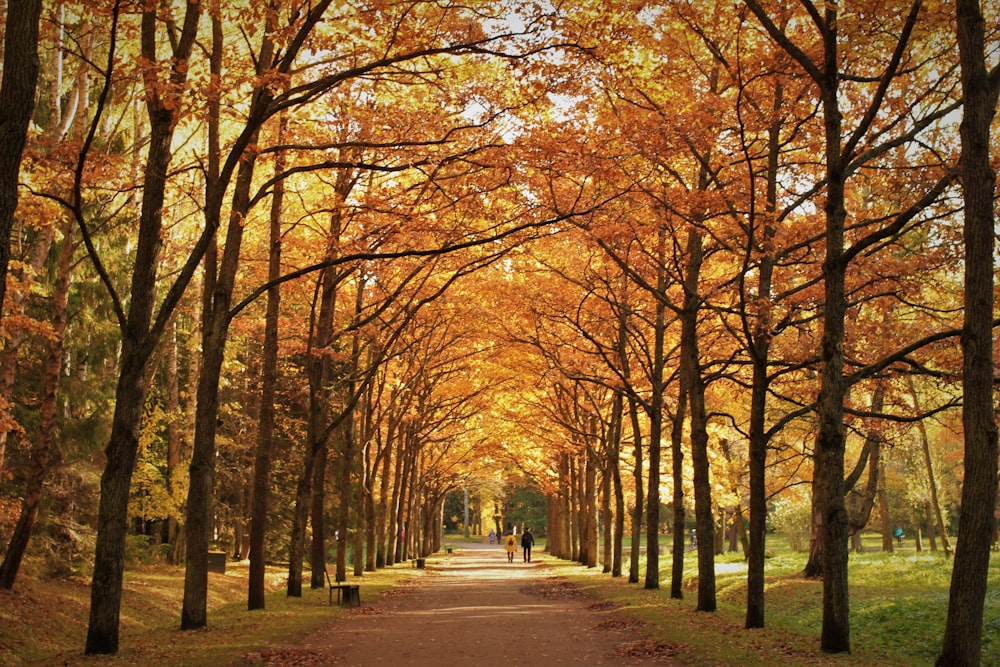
x=472 y=608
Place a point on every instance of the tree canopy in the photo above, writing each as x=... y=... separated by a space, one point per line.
x=285 y=276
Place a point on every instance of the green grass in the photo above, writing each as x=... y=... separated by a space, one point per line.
x=898 y=606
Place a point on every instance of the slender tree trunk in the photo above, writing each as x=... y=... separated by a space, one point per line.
x=402 y=509
x=614 y=465
x=395 y=508
x=359 y=533
x=268 y=385
x=637 y=512
x=175 y=437
x=871 y=457
x=382 y=528
x=606 y=521
x=677 y=500
x=886 y=514
x=760 y=348
x=928 y=518
x=656 y=423
x=704 y=517
x=590 y=497
x=566 y=508
x=200 y=504
x=963 y=632
x=317 y=521
x=574 y=510
x=346 y=499
x=935 y=506
x=45 y=452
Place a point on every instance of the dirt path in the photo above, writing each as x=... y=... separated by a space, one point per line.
x=474 y=608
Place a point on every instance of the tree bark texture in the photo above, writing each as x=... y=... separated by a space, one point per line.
x=963 y=633
x=17 y=105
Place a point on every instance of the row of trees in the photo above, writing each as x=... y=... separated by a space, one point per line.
x=298 y=266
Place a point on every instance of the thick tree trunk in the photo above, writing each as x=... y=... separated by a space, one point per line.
x=138 y=343
x=963 y=632
x=17 y=105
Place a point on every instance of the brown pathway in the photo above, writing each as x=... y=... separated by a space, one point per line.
x=474 y=608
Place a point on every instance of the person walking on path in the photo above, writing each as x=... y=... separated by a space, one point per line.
x=511 y=546
x=527 y=541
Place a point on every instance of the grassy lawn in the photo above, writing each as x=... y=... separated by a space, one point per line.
x=45 y=622
x=898 y=607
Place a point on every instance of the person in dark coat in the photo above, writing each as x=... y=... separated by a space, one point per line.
x=527 y=541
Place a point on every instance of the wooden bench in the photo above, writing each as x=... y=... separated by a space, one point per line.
x=348 y=595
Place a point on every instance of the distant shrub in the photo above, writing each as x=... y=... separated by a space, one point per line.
x=792 y=518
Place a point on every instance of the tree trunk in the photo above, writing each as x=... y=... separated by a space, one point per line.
x=268 y=384
x=138 y=343
x=201 y=490
x=929 y=519
x=574 y=510
x=934 y=506
x=760 y=348
x=963 y=632
x=691 y=364
x=175 y=438
x=317 y=521
x=614 y=456
x=17 y=105
x=871 y=457
x=677 y=471
x=345 y=467
x=885 y=513
x=606 y=523
x=656 y=422
x=590 y=497
x=637 y=512
x=44 y=453
x=633 y=412
x=382 y=514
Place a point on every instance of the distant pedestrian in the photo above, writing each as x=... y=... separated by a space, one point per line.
x=510 y=544
x=527 y=541
x=493 y=536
